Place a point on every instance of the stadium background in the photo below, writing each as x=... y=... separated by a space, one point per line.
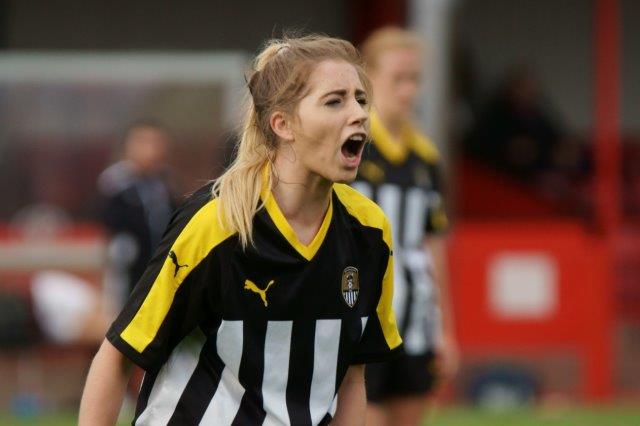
x=544 y=264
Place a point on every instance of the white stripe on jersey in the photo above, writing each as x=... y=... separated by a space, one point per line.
x=418 y=335
x=415 y=216
x=224 y=405
x=276 y=372
x=389 y=198
x=334 y=406
x=172 y=380
x=364 y=325
x=229 y=344
x=325 y=361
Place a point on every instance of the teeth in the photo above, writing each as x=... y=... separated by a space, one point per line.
x=359 y=138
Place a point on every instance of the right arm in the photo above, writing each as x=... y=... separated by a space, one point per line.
x=105 y=387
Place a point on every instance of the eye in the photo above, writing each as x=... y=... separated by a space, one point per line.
x=362 y=101
x=334 y=102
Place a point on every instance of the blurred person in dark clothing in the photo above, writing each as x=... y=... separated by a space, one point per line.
x=137 y=201
x=516 y=133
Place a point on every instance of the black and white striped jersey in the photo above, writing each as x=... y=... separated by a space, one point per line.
x=402 y=178
x=265 y=335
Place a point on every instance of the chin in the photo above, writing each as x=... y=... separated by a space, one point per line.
x=346 y=177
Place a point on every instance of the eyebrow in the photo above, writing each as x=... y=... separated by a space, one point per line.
x=343 y=93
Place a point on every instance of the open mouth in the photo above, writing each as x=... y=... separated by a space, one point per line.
x=352 y=147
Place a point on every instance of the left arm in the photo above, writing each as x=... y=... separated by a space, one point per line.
x=352 y=398
x=448 y=349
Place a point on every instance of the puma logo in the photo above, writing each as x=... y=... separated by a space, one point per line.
x=249 y=285
x=174 y=258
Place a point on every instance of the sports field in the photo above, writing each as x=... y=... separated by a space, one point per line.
x=454 y=416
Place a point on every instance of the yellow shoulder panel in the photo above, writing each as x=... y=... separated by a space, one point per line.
x=424 y=148
x=396 y=150
x=386 y=315
x=366 y=211
x=197 y=239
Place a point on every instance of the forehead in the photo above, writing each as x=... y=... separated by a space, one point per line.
x=332 y=75
x=147 y=133
x=402 y=59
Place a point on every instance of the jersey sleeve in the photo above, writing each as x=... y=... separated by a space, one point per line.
x=380 y=338
x=436 y=220
x=174 y=293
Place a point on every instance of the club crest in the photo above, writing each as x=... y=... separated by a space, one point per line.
x=350 y=286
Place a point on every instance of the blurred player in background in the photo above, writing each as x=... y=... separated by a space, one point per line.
x=137 y=204
x=400 y=173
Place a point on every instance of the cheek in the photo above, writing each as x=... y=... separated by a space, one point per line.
x=320 y=131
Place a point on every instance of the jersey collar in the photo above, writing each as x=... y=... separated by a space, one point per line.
x=278 y=218
x=396 y=150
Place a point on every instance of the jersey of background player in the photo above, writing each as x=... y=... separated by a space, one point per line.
x=262 y=336
x=403 y=179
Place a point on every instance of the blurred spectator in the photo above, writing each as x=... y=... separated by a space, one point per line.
x=516 y=133
x=138 y=202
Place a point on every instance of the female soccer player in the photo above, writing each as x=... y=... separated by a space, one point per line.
x=400 y=172
x=272 y=286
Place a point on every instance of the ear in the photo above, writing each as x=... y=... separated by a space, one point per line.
x=281 y=126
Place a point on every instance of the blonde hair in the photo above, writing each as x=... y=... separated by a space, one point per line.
x=277 y=82
x=385 y=39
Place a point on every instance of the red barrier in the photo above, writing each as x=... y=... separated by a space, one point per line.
x=531 y=287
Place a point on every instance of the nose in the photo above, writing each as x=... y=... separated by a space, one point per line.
x=359 y=114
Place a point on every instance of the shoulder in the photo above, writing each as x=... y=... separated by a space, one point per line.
x=198 y=220
x=363 y=210
x=425 y=148
x=115 y=179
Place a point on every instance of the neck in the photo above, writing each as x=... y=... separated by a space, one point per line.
x=391 y=122
x=303 y=196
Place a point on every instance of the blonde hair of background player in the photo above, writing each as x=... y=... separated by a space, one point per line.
x=385 y=39
x=277 y=82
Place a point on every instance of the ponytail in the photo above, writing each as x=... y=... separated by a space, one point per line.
x=239 y=187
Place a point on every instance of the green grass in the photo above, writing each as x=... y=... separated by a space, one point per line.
x=60 y=419
x=578 y=416
x=451 y=416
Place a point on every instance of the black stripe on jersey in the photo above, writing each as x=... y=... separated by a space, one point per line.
x=326 y=420
x=300 y=371
x=251 y=374
x=201 y=387
x=370 y=352
x=344 y=347
x=403 y=321
x=267 y=235
x=145 y=390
